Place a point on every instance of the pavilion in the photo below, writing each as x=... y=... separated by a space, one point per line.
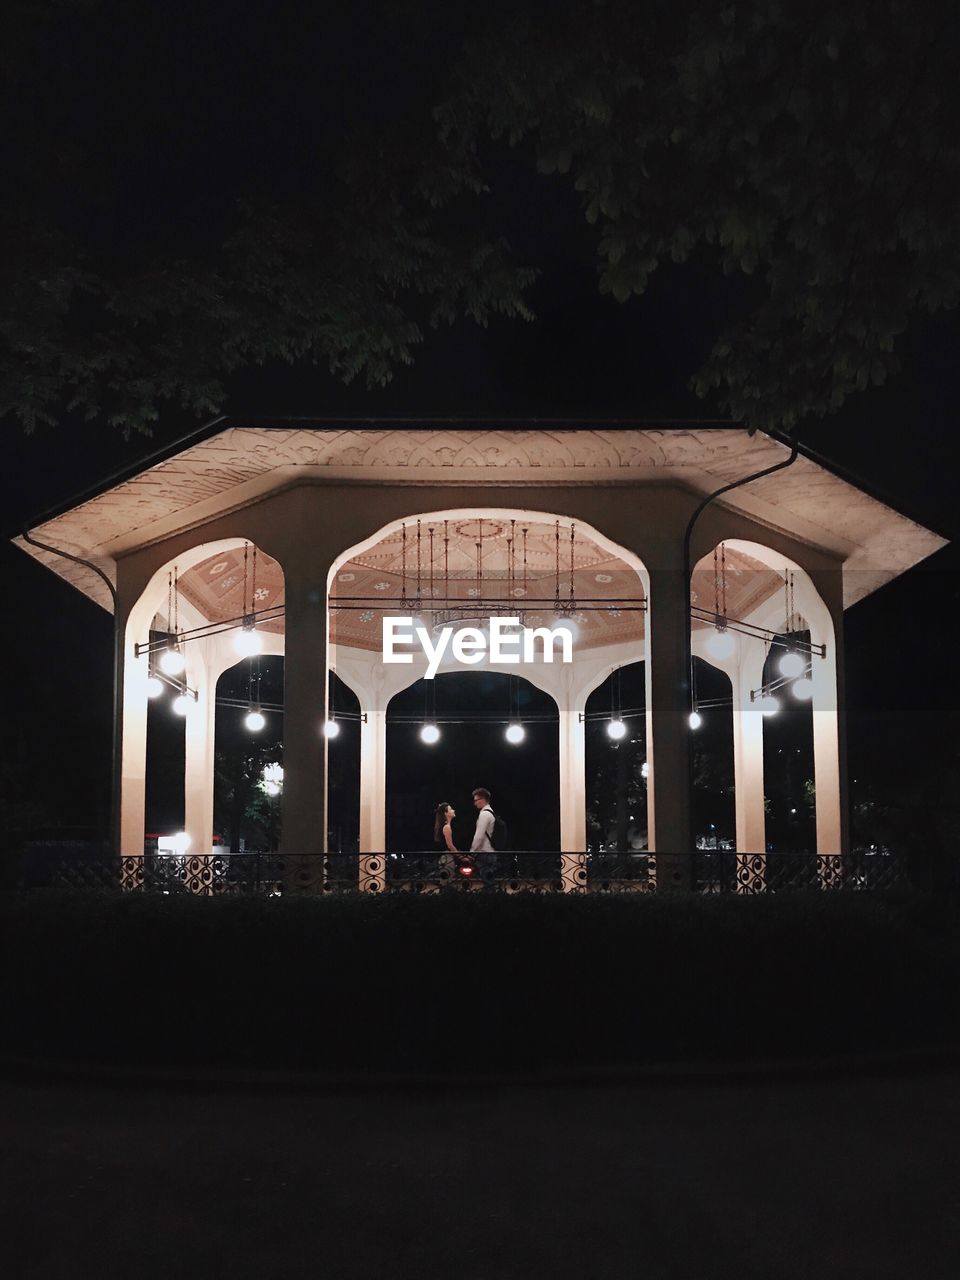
x=309 y=533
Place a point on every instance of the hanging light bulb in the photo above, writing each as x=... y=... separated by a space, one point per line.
x=247 y=642
x=331 y=729
x=255 y=720
x=721 y=644
x=769 y=705
x=792 y=663
x=694 y=719
x=515 y=733
x=616 y=729
x=154 y=687
x=182 y=704
x=803 y=689
x=430 y=734
x=172 y=661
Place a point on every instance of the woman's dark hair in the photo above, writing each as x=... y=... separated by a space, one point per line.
x=439 y=822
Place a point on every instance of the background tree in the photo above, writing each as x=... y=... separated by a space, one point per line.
x=194 y=191
x=810 y=152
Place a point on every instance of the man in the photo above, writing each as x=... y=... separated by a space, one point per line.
x=482 y=844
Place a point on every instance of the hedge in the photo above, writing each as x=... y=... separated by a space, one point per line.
x=473 y=983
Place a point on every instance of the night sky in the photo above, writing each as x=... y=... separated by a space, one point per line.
x=181 y=136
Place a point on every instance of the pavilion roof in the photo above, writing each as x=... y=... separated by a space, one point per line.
x=234 y=463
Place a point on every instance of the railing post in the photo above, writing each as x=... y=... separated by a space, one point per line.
x=573 y=872
x=751 y=873
x=373 y=873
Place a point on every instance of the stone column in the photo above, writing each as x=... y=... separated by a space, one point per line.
x=373 y=763
x=746 y=677
x=751 y=828
x=303 y=811
x=826 y=764
x=132 y=674
x=571 y=704
x=668 y=779
x=205 y=663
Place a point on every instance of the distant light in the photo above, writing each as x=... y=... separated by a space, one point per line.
x=803 y=689
x=466 y=868
x=430 y=734
x=272 y=779
x=793 y=811
x=694 y=719
x=154 y=687
x=769 y=705
x=515 y=733
x=248 y=642
x=645 y=770
x=182 y=704
x=331 y=729
x=616 y=729
x=792 y=664
x=172 y=662
x=721 y=644
x=181 y=842
x=255 y=721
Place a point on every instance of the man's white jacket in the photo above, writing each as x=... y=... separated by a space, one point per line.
x=482 y=842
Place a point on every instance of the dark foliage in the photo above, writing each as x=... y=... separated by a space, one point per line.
x=467 y=984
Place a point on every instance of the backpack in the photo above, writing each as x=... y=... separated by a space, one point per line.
x=499 y=837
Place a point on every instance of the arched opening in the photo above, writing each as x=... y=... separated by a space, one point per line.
x=616 y=762
x=215 y=610
x=714 y=805
x=457 y=569
x=472 y=711
x=764 y=646
x=249 y=761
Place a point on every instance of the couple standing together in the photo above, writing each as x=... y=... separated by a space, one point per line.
x=482 y=844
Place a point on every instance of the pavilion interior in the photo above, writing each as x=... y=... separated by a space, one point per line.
x=442 y=569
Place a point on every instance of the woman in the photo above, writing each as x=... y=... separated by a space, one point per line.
x=443 y=826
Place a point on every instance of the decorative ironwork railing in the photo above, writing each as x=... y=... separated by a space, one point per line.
x=280 y=875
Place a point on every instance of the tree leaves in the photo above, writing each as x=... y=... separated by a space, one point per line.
x=813 y=148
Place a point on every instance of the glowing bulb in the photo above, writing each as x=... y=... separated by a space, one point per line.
x=181 y=842
x=331 y=729
x=769 y=705
x=515 y=733
x=792 y=664
x=272 y=781
x=154 y=687
x=645 y=770
x=721 y=644
x=430 y=734
x=694 y=719
x=803 y=689
x=567 y=625
x=255 y=721
x=247 y=643
x=616 y=729
x=182 y=704
x=172 y=662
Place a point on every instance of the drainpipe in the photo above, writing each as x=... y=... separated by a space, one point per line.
x=685 y=630
x=114 y=752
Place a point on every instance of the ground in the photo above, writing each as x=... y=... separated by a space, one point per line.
x=851 y=1177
